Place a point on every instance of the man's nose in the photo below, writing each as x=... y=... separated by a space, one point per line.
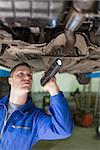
x=26 y=77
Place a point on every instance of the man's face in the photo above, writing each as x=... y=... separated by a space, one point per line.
x=21 y=80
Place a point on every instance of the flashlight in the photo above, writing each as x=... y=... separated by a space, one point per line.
x=53 y=69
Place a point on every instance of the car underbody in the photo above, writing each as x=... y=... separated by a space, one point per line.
x=38 y=32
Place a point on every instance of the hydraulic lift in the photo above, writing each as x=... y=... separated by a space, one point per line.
x=93 y=75
x=4 y=73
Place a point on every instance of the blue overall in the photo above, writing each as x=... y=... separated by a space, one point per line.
x=28 y=124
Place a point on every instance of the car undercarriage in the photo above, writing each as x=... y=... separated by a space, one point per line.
x=38 y=32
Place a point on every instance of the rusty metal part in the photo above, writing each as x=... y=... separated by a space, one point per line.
x=83 y=5
x=75 y=18
x=70 y=37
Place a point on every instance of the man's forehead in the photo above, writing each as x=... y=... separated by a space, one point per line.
x=23 y=68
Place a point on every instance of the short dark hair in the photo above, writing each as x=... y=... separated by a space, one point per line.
x=21 y=64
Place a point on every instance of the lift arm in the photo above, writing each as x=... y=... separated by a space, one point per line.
x=4 y=73
x=92 y=75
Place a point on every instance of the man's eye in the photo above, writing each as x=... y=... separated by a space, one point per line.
x=30 y=76
x=20 y=74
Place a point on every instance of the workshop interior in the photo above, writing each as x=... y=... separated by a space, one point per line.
x=56 y=38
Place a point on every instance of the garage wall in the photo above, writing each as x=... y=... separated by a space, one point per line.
x=67 y=83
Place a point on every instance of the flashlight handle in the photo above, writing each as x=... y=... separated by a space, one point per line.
x=53 y=69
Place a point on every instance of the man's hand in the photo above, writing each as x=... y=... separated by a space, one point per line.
x=51 y=86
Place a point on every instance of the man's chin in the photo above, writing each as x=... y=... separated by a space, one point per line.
x=26 y=89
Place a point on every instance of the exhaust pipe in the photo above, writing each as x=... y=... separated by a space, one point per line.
x=76 y=17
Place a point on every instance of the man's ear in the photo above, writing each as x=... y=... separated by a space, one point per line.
x=9 y=80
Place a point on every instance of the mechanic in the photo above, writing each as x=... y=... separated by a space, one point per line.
x=21 y=123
